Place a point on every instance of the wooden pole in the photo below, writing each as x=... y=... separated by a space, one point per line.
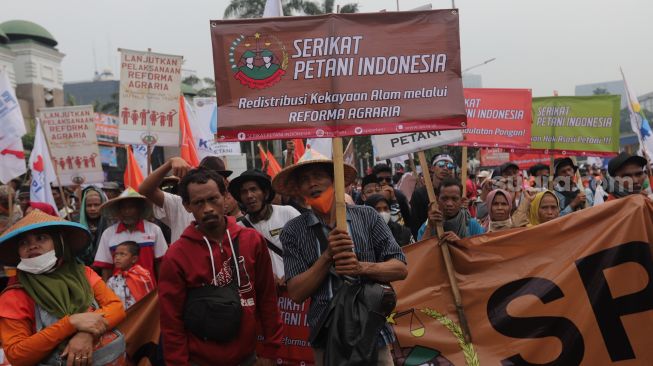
x=446 y=254
x=129 y=169
x=463 y=173
x=149 y=158
x=56 y=173
x=339 y=183
x=579 y=180
x=10 y=201
x=413 y=168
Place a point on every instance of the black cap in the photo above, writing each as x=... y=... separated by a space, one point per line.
x=369 y=179
x=255 y=175
x=561 y=162
x=374 y=199
x=622 y=159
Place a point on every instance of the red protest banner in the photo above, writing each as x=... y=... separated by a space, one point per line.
x=523 y=158
x=497 y=118
x=338 y=75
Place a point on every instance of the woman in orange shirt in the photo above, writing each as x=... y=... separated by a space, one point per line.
x=56 y=311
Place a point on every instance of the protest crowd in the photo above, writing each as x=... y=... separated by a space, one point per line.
x=303 y=262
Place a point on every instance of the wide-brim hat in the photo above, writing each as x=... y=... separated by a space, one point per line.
x=622 y=159
x=110 y=207
x=284 y=182
x=255 y=175
x=75 y=236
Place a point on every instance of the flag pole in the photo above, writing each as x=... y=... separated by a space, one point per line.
x=10 y=200
x=129 y=169
x=446 y=254
x=339 y=183
x=56 y=174
x=463 y=175
x=149 y=158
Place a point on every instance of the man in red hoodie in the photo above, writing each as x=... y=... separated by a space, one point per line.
x=188 y=264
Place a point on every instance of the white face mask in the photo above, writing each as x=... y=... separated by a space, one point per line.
x=385 y=216
x=44 y=263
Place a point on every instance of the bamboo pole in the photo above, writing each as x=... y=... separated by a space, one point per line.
x=446 y=254
x=149 y=158
x=129 y=169
x=339 y=183
x=413 y=168
x=463 y=175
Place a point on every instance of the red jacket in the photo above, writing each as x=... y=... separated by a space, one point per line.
x=186 y=264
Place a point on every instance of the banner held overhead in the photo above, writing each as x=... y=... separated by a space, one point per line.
x=70 y=132
x=390 y=146
x=582 y=125
x=338 y=75
x=497 y=118
x=150 y=85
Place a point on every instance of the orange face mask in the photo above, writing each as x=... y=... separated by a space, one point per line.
x=324 y=202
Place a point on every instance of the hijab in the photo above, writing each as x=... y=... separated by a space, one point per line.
x=88 y=255
x=493 y=225
x=534 y=215
x=66 y=291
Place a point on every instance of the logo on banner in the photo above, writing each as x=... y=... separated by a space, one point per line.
x=319 y=133
x=241 y=135
x=258 y=61
x=358 y=130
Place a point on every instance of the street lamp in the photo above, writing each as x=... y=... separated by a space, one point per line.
x=481 y=64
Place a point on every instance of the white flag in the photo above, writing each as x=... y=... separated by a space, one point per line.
x=42 y=170
x=12 y=162
x=273 y=8
x=638 y=122
x=140 y=154
x=11 y=118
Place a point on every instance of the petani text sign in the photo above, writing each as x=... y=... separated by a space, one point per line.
x=70 y=132
x=338 y=75
x=150 y=85
x=585 y=125
x=497 y=118
x=577 y=290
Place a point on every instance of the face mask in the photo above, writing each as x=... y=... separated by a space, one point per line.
x=324 y=202
x=44 y=263
x=385 y=216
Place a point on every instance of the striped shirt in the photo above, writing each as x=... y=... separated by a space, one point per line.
x=373 y=242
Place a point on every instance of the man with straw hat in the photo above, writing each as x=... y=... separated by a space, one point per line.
x=317 y=255
x=130 y=209
x=56 y=310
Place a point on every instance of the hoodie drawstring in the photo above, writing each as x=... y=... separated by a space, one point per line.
x=233 y=255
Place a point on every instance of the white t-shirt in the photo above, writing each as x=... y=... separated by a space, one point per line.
x=151 y=242
x=118 y=285
x=174 y=215
x=271 y=230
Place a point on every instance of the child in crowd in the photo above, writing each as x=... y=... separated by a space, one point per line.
x=130 y=281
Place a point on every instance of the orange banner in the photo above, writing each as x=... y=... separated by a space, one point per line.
x=523 y=158
x=497 y=118
x=142 y=330
x=577 y=290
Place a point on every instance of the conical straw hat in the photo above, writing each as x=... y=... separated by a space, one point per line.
x=110 y=207
x=75 y=236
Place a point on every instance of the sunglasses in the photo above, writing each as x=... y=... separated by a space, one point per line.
x=386 y=179
x=443 y=164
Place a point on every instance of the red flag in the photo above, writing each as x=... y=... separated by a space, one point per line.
x=133 y=176
x=299 y=149
x=273 y=165
x=188 y=151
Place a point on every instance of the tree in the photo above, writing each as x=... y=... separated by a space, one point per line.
x=600 y=91
x=254 y=8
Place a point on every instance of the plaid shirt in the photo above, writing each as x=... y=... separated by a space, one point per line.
x=373 y=242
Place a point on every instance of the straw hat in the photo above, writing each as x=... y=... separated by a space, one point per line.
x=284 y=182
x=255 y=175
x=110 y=208
x=75 y=236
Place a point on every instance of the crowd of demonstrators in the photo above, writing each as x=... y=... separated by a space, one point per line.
x=367 y=250
x=244 y=243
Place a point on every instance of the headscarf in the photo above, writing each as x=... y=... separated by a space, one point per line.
x=493 y=225
x=88 y=255
x=66 y=291
x=534 y=215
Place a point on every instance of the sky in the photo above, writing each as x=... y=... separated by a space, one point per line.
x=542 y=45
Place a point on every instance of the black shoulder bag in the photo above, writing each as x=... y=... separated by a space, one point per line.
x=214 y=313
